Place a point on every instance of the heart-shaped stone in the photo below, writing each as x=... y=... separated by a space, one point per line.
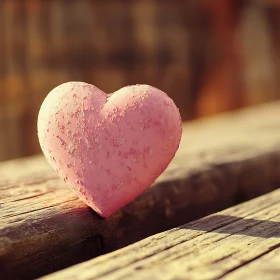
x=109 y=148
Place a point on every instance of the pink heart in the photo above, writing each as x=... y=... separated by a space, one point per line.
x=109 y=148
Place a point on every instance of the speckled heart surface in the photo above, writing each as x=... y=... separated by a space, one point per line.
x=108 y=147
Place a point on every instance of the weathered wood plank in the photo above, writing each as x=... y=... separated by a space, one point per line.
x=215 y=247
x=266 y=267
x=221 y=161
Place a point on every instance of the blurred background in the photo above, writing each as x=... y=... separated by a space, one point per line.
x=210 y=56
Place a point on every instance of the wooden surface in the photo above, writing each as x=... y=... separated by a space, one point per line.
x=241 y=242
x=44 y=227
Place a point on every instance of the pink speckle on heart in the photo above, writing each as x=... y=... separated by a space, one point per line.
x=108 y=148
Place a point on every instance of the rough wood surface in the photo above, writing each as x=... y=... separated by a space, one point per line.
x=265 y=267
x=221 y=161
x=241 y=242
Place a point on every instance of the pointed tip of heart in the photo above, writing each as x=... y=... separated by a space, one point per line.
x=106 y=209
x=105 y=215
x=103 y=212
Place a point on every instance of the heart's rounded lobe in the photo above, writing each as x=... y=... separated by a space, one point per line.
x=108 y=148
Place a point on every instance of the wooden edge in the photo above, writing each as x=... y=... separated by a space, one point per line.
x=221 y=161
x=241 y=242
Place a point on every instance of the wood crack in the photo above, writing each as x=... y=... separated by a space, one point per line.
x=32 y=196
x=249 y=261
x=40 y=209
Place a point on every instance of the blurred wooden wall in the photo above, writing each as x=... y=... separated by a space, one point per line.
x=210 y=56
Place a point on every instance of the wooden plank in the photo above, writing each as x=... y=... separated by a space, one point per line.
x=215 y=247
x=221 y=161
x=265 y=267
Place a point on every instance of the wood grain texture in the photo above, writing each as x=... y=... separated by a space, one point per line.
x=44 y=227
x=265 y=267
x=215 y=247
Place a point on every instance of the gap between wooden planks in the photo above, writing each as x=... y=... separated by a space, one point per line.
x=221 y=161
x=241 y=242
